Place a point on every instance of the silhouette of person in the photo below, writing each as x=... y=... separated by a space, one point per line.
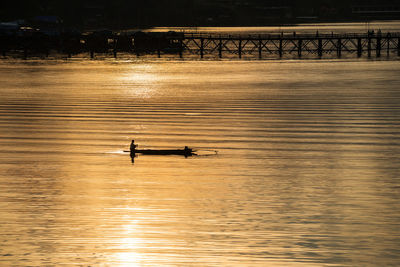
x=133 y=146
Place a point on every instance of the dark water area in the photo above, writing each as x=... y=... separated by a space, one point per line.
x=307 y=170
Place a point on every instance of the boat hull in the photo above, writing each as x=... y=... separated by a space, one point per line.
x=182 y=152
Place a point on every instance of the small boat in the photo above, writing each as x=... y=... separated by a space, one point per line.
x=184 y=152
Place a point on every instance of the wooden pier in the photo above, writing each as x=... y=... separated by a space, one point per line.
x=293 y=45
x=200 y=45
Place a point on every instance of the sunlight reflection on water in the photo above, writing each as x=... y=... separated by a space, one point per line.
x=306 y=171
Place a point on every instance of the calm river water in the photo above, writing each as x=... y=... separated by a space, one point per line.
x=306 y=174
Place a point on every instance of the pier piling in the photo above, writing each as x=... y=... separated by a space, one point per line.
x=240 y=47
x=201 y=47
x=180 y=48
x=339 y=47
x=299 y=47
x=378 y=46
x=320 y=47
x=369 y=46
x=220 y=47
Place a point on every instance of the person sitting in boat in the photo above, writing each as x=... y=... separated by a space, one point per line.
x=133 y=146
x=188 y=150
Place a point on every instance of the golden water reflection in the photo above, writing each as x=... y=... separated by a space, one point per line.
x=306 y=174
